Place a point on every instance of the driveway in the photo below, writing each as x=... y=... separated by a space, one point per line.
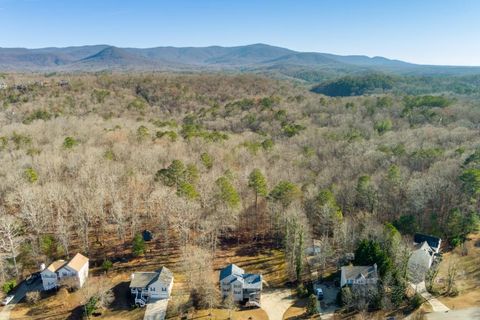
x=463 y=314
x=437 y=306
x=19 y=294
x=156 y=310
x=327 y=306
x=276 y=301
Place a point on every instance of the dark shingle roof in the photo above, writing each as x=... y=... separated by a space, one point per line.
x=230 y=269
x=144 y=279
x=356 y=272
x=432 y=241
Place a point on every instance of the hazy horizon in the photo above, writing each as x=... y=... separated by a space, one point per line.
x=427 y=32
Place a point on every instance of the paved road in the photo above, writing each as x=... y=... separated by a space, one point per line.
x=437 y=306
x=275 y=302
x=19 y=293
x=461 y=314
x=156 y=310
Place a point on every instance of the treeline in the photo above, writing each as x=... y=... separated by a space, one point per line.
x=357 y=85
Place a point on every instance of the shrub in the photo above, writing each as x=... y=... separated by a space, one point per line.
x=292 y=129
x=207 y=160
x=100 y=95
x=302 y=292
x=267 y=144
x=137 y=104
x=48 y=245
x=91 y=306
x=138 y=245
x=383 y=126
x=312 y=305
x=187 y=190
x=69 y=142
x=142 y=133
x=30 y=175
x=20 y=140
x=37 y=115
x=3 y=143
x=109 y=155
x=9 y=285
x=33 y=297
x=172 y=135
x=107 y=265
x=416 y=301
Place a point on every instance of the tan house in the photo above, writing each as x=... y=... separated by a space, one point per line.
x=75 y=270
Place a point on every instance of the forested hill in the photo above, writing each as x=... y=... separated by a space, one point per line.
x=257 y=58
x=371 y=83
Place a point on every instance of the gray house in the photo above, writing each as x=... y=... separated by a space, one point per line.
x=358 y=275
x=420 y=262
x=151 y=285
x=244 y=287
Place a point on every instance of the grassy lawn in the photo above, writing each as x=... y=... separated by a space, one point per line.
x=468 y=280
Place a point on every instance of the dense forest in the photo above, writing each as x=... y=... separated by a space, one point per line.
x=370 y=83
x=211 y=158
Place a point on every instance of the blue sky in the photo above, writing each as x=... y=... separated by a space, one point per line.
x=421 y=31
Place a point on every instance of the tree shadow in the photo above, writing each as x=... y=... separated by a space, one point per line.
x=122 y=298
x=76 y=314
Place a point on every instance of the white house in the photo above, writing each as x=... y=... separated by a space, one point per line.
x=243 y=287
x=420 y=262
x=358 y=275
x=75 y=270
x=151 y=285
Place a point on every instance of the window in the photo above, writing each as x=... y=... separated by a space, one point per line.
x=237 y=292
x=164 y=289
x=152 y=288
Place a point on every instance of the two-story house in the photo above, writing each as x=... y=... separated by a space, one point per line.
x=242 y=287
x=151 y=285
x=75 y=271
x=358 y=275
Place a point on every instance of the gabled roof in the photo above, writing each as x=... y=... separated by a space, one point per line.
x=144 y=279
x=229 y=270
x=165 y=276
x=358 y=272
x=77 y=262
x=252 y=281
x=423 y=246
x=432 y=241
x=55 y=265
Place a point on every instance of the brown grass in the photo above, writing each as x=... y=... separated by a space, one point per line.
x=468 y=281
x=222 y=314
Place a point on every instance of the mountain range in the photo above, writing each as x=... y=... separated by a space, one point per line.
x=260 y=58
